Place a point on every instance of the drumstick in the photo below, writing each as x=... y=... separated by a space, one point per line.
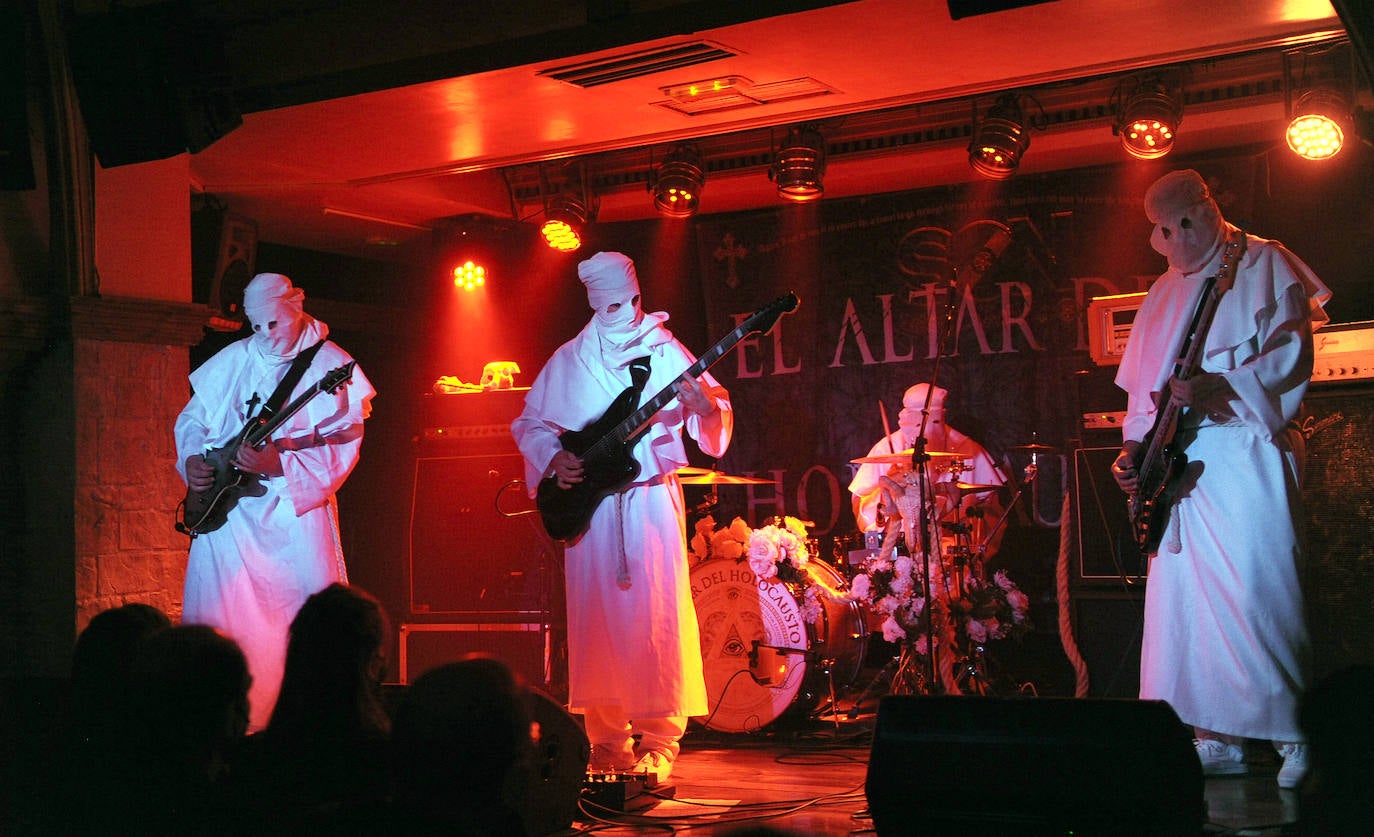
x=887 y=428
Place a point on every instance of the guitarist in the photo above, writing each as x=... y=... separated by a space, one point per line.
x=1225 y=642
x=250 y=576
x=634 y=651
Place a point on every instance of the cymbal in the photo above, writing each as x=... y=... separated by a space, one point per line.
x=899 y=457
x=693 y=470
x=1035 y=448
x=970 y=488
x=717 y=478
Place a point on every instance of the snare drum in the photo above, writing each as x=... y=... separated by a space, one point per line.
x=761 y=658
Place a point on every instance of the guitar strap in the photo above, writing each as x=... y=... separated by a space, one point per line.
x=639 y=375
x=290 y=379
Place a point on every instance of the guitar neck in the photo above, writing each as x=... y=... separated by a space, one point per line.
x=261 y=428
x=635 y=423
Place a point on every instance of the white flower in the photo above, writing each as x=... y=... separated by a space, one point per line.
x=977 y=631
x=861 y=587
x=892 y=632
x=763 y=555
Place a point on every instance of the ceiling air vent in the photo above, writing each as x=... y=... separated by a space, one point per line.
x=639 y=64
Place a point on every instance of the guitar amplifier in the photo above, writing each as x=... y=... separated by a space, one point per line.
x=525 y=646
x=1106 y=549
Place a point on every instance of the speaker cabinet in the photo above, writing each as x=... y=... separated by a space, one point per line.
x=1032 y=766
x=1338 y=502
x=524 y=646
x=467 y=558
x=1107 y=552
x=1108 y=627
x=238 y=250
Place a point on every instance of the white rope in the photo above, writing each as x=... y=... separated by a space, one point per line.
x=622 y=577
x=1066 y=637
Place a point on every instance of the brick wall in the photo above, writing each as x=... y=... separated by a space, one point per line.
x=127 y=488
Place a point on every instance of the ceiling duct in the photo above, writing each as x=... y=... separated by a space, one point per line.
x=639 y=64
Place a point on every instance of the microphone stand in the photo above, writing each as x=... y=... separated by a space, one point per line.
x=919 y=463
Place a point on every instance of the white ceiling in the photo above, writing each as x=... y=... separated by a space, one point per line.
x=415 y=155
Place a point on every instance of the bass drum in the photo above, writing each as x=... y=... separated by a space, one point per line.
x=762 y=660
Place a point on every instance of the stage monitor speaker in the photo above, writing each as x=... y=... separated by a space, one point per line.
x=466 y=556
x=1107 y=552
x=153 y=82
x=1032 y=766
x=1338 y=502
x=559 y=769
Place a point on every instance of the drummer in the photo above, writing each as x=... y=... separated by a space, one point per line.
x=977 y=507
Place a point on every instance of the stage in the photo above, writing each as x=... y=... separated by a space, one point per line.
x=809 y=779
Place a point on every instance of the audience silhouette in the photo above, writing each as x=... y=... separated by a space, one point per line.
x=188 y=713
x=462 y=749
x=325 y=747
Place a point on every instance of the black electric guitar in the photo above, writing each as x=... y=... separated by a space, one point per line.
x=206 y=511
x=1161 y=461
x=604 y=445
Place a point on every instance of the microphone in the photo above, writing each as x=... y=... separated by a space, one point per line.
x=771 y=669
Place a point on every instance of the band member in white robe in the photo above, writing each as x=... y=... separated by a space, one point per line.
x=979 y=511
x=250 y=576
x=1225 y=642
x=634 y=650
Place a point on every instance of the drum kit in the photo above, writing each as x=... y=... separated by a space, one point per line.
x=763 y=660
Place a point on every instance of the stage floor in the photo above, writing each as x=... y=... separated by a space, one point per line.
x=806 y=775
x=813 y=783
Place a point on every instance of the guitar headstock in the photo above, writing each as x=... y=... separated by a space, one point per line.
x=763 y=320
x=1230 y=260
x=335 y=378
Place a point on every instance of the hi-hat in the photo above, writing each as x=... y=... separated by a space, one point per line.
x=1035 y=448
x=970 y=488
x=717 y=478
x=898 y=457
x=693 y=470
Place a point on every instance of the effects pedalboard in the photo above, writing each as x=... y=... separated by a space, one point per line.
x=624 y=791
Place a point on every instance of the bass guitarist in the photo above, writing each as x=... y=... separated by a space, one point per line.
x=1225 y=642
x=249 y=576
x=634 y=650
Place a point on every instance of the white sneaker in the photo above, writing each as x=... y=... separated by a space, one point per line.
x=608 y=759
x=1219 y=758
x=1294 y=765
x=657 y=764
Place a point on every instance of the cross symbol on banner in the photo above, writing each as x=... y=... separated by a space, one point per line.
x=730 y=252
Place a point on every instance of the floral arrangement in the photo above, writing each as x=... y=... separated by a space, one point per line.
x=777 y=552
x=963 y=615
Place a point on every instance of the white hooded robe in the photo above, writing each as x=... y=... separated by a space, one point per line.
x=249 y=577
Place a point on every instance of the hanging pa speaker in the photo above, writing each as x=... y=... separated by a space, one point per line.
x=238 y=251
x=1032 y=766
